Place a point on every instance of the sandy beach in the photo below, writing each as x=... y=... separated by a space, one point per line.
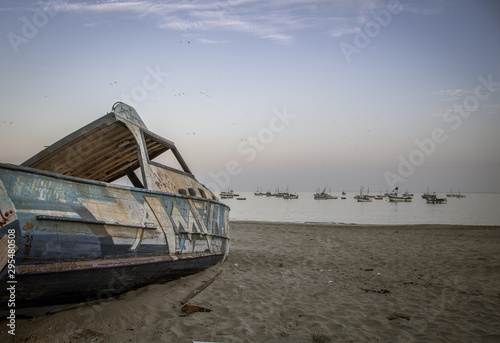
x=288 y=282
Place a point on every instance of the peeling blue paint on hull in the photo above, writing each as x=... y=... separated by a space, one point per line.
x=86 y=257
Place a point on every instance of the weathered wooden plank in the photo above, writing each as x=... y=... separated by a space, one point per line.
x=90 y=221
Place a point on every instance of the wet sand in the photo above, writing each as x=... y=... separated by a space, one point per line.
x=286 y=282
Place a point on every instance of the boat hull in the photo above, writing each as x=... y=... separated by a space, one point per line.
x=399 y=199
x=432 y=200
x=81 y=240
x=75 y=286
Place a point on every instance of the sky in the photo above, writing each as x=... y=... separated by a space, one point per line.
x=303 y=94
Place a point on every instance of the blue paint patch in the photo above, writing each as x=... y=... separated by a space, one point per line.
x=25 y=186
x=182 y=206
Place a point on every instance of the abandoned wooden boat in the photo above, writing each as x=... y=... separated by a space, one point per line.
x=77 y=233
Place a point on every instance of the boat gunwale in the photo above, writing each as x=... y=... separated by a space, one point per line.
x=30 y=170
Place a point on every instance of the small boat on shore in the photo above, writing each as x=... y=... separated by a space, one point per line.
x=99 y=213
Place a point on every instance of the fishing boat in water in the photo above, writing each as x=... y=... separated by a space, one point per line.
x=396 y=198
x=228 y=195
x=427 y=194
x=259 y=193
x=76 y=231
x=455 y=195
x=363 y=197
x=324 y=195
x=433 y=199
x=288 y=195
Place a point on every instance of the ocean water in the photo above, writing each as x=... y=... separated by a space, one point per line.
x=474 y=209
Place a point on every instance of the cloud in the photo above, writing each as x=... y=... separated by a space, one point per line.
x=453 y=95
x=279 y=38
x=91 y=25
x=442 y=112
x=276 y=20
x=341 y=31
x=212 y=41
x=138 y=7
x=351 y=16
x=492 y=108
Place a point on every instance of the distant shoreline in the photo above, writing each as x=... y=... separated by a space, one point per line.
x=353 y=225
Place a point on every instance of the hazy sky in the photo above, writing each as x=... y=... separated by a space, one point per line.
x=297 y=93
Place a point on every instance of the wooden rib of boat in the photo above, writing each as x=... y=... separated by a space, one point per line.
x=75 y=234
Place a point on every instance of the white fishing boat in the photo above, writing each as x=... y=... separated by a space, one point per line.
x=363 y=197
x=396 y=198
